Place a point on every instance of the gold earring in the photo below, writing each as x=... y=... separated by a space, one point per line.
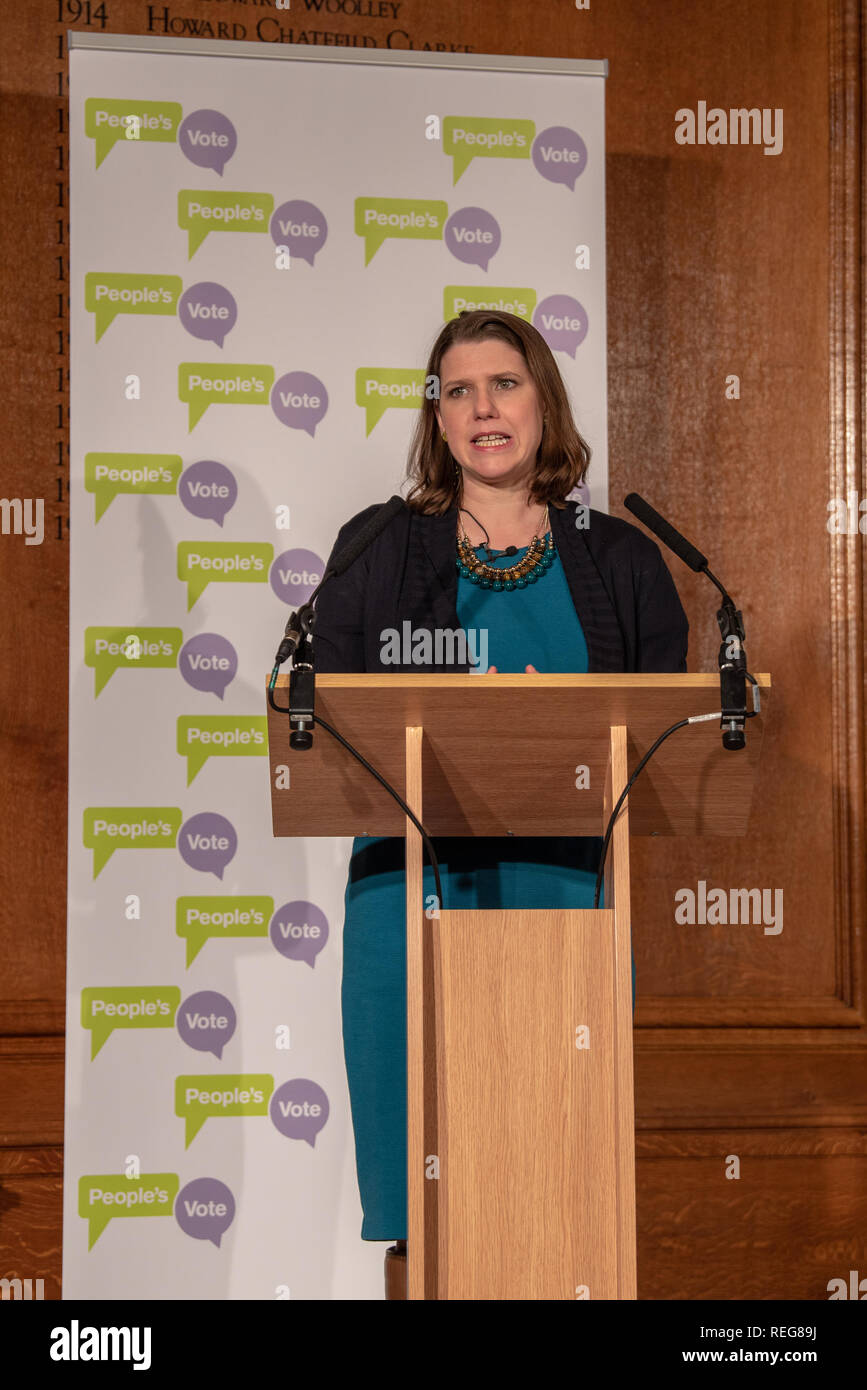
x=444 y=434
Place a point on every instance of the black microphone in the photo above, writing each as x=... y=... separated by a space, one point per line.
x=299 y=622
x=732 y=659
x=666 y=532
x=369 y=532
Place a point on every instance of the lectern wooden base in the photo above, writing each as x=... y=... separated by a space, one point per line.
x=521 y=1137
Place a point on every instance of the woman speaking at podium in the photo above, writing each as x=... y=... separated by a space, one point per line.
x=488 y=541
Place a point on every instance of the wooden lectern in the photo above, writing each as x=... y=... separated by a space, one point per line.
x=520 y=1109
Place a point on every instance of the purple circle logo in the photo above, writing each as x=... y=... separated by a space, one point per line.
x=562 y=321
x=208 y=490
x=206 y=1021
x=559 y=155
x=205 y=1209
x=301 y=227
x=299 y=400
x=473 y=235
x=207 y=310
x=295 y=574
x=207 y=842
x=208 y=139
x=299 y=931
x=299 y=1109
x=208 y=663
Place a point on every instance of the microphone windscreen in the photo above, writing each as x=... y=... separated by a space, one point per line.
x=651 y=518
x=369 y=531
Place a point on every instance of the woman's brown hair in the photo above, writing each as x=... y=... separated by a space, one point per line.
x=563 y=457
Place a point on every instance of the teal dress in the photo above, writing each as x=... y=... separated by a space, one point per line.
x=535 y=626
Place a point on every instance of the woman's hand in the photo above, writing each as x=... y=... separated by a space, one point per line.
x=492 y=670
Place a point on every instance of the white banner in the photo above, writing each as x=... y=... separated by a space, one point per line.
x=264 y=246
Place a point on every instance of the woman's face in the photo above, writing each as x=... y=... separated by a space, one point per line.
x=486 y=389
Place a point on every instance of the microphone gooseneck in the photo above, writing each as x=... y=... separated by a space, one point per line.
x=732 y=659
x=732 y=666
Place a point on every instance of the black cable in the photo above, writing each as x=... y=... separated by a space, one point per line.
x=399 y=799
x=281 y=709
x=614 y=814
x=748 y=714
x=476 y=520
x=491 y=554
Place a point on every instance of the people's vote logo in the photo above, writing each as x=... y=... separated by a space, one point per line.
x=205 y=1209
x=560 y=155
x=300 y=401
x=206 y=1021
x=208 y=311
x=473 y=235
x=208 y=490
x=300 y=227
x=208 y=139
x=562 y=321
x=295 y=574
x=208 y=842
x=299 y=1109
x=208 y=663
x=298 y=931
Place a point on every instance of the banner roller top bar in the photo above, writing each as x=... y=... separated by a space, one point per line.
x=231 y=48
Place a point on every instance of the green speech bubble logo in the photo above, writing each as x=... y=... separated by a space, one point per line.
x=198 y=920
x=201 y=384
x=509 y=299
x=108 y=294
x=414 y=219
x=106 y=649
x=104 y=1195
x=201 y=563
x=107 y=120
x=107 y=828
x=200 y=211
x=127 y=1006
x=201 y=1098
x=466 y=138
x=379 y=389
x=106 y=475
x=206 y=736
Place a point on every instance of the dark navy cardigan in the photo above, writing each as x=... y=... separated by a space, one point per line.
x=623 y=593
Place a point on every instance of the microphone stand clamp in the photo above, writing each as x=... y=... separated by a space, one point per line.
x=733 y=675
x=302 y=686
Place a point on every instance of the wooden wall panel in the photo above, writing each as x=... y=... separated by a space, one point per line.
x=721 y=260
x=795 y=1218
x=31 y=1217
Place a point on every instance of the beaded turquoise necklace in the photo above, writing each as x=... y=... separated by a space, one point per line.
x=537 y=561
